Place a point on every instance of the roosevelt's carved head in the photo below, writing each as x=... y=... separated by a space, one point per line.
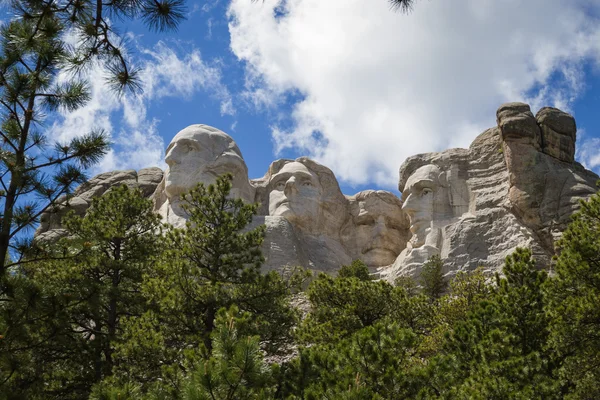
x=200 y=153
x=306 y=193
x=379 y=227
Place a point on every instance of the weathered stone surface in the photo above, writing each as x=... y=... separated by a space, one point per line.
x=307 y=195
x=559 y=133
x=50 y=227
x=377 y=230
x=148 y=179
x=477 y=205
x=199 y=153
x=544 y=191
x=516 y=122
x=515 y=186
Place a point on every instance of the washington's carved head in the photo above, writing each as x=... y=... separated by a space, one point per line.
x=306 y=193
x=200 y=153
x=378 y=226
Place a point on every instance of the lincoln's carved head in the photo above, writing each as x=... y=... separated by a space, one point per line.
x=419 y=195
x=200 y=153
x=432 y=197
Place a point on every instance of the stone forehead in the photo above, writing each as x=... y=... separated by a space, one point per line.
x=444 y=160
x=326 y=177
x=295 y=167
x=427 y=172
x=369 y=198
x=209 y=138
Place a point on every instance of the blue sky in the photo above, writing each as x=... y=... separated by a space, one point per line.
x=349 y=82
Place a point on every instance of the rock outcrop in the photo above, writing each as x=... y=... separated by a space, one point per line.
x=515 y=186
x=50 y=227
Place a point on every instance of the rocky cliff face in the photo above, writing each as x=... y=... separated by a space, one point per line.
x=50 y=227
x=515 y=186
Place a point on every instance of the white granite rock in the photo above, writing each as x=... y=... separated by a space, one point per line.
x=199 y=153
x=512 y=188
x=377 y=230
x=307 y=195
x=50 y=227
x=516 y=185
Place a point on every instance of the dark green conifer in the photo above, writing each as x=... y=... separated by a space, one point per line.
x=573 y=297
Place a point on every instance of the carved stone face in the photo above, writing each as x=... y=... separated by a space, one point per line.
x=380 y=230
x=419 y=198
x=295 y=193
x=200 y=153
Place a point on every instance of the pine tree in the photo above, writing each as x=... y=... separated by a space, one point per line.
x=432 y=278
x=236 y=369
x=375 y=362
x=499 y=350
x=573 y=296
x=353 y=301
x=35 y=170
x=213 y=263
x=94 y=282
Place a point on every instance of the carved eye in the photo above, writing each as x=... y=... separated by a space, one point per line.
x=366 y=220
x=425 y=192
x=307 y=183
x=280 y=185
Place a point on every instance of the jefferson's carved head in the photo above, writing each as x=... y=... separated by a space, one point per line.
x=379 y=227
x=306 y=193
x=200 y=153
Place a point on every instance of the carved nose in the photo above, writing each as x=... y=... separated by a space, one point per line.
x=290 y=186
x=380 y=226
x=409 y=204
x=170 y=157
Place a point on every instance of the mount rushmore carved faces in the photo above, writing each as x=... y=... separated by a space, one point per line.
x=378 y=226
x=295 y=194
x=418 y=194
x=199 y=153
x=307 y=194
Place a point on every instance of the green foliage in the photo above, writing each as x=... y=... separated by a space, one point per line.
x=236 y=369
x=118 y=311
x=214 y=263
x=573 y=296
x=357 y=269
x=36 y=170
x=346 y=304
x=498 y=351
x=432 y=278
x=373 y=363
x=90 y=281
x=466 y=291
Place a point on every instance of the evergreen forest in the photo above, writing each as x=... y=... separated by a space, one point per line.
x=126 y=307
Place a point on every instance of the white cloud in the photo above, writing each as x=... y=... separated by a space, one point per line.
x=588 y=150
x=379 y=86
x=136 y=143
